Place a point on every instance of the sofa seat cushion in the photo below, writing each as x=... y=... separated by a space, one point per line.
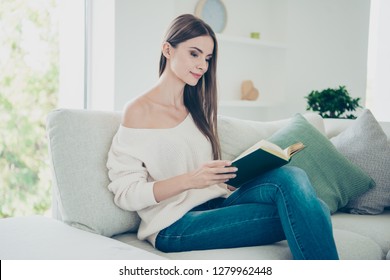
x=277 y=251
x=41 y=238
x=375 y=227
x=45 y=238
x=345 y=241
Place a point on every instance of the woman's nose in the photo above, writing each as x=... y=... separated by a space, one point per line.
x=203 y=65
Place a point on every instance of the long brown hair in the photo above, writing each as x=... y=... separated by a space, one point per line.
x=201 y=99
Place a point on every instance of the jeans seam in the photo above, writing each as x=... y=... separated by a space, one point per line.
x=290 y=224
x=215 y=228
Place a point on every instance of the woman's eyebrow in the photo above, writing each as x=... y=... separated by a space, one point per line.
x=199 y=50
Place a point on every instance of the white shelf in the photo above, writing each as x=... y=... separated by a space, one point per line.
x=243 y=103
x=249 y=41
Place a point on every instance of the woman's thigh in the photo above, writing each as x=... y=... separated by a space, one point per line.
x=286 y=183
x=227 y=227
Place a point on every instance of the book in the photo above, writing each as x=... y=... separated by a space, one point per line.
x=260 y=158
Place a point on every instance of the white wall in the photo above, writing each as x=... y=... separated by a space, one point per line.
x=139 y=32
x=326 y=46
x=140 y=27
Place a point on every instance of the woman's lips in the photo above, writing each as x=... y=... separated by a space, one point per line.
x=197 y=76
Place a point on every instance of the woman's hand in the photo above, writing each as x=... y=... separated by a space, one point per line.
x=210 y=173
x=231 y=188
x=213 y=172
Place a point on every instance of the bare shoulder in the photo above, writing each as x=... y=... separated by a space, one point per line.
x=134 y=113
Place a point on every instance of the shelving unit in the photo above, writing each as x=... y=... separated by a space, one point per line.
x=243 y=58
x=249 y=41
x=244 y=103
x=262 y=61
x=245 y=109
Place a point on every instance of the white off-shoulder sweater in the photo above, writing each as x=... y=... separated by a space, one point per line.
x=139 y=157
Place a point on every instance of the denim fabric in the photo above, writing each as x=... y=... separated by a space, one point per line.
x=278 y=205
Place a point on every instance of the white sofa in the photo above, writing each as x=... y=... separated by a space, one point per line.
x=86 y=224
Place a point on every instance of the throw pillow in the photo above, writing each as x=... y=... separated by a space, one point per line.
x=335 y=179
x=365 y=144
x=79 y=141
x=236 y=135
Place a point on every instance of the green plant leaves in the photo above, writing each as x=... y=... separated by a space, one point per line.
x=332 y=103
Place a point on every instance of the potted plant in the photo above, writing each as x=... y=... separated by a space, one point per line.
x=332 y=103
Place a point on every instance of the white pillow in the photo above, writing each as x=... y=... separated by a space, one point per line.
x=237 y=135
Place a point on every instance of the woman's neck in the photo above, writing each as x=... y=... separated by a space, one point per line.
x=169 y=91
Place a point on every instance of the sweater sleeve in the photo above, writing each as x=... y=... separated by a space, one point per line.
x=129 y=178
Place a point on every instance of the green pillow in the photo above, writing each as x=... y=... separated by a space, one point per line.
x=335 y=179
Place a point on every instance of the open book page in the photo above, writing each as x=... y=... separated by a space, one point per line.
x=294 y=148
x=273 y=149
x=267 y=146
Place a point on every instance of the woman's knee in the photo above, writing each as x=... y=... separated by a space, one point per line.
x=294 y=179
x=292 y=174
x=287 y=180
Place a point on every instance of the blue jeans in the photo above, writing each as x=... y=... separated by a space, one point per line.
x=278 y=205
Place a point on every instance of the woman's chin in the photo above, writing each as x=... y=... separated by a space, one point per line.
x=192 y=83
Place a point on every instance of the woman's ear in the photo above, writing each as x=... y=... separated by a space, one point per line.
x=166 y=49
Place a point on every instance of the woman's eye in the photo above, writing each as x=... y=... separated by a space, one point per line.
x=194 y=54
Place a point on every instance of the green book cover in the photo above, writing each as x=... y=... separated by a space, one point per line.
x=259 y=159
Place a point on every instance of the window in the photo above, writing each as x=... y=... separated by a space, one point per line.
x=47 y=61
x=378 y=72
x=28 y=91
x=87 y=54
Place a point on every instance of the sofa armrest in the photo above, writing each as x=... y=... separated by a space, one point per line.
x=43 y=238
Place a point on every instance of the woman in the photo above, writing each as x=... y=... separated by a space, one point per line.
x=165 y=164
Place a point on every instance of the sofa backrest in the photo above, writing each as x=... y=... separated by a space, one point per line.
x=79 y=141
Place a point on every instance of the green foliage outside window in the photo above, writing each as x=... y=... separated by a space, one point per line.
x=28 y=91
